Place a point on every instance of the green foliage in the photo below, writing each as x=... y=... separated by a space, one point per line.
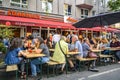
x=114 y=5
x=2 y=48
x=5 y=32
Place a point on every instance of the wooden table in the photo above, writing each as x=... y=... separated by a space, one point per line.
x=30 y=56
x=112 y=49
x=72 y=53
x=52 y=50
x=33 y=55
x=96 y=50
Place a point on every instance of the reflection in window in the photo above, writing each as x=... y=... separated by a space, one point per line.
x=19 y=3
x=67 y=9
x=47 y=6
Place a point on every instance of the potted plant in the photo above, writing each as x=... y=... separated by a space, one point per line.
x=2 y=54
x=2 y=48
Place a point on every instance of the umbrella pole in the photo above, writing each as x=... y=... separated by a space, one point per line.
x=86 y=33
x=101 y=31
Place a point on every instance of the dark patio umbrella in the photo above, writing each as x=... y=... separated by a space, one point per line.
x=99 y=20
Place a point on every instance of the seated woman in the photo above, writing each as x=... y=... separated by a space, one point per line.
x=104 y=44
x=58 y=55
x=40 y=47
x=116 y=44
x=14 y=55
x=86 y=50
x=92 y=42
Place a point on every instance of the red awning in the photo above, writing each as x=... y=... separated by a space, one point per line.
x=35 y=22
x=109 y=29
x=89 y=29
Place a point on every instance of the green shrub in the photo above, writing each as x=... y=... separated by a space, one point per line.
x=2 y=48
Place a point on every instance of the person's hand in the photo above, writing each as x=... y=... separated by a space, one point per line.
x=38 y=51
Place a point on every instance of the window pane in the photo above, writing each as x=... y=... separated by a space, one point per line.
x=17 y=5
x=15 y=0
x=93 y=13
x=24 y=1
x=49 y=5
x=69 y=10
x=82 y=12
x=24 y=6
x=0 y=1
x=86 y=12
x=44 y=6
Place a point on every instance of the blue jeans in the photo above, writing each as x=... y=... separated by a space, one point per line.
x=118 y=55
x=35 y=64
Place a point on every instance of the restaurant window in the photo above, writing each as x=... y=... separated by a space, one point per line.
x=47 y=6
x=1 y=1
x=19 y=3
x=84 y=13
x=67 y=9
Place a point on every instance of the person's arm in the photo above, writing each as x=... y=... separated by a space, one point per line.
x=88 y=48
x=38 y=51
x=21 y=53
x=77 y=47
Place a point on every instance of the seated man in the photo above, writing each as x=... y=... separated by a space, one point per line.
x=39 y=48
x=76 y=46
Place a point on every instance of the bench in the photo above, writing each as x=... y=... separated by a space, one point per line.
x=54 y=64
x=106 y=57
x=13 y=67
x=85 y=60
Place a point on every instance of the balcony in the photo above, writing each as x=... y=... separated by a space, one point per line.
x=87 y=4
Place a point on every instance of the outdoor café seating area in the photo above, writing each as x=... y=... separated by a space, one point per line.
x=34 y=57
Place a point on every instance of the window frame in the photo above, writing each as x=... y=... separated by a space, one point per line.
x=1 y=1
x=19 y=4
x=46 y=2
x=84 y=14
x=66 y=11
x=93 y=13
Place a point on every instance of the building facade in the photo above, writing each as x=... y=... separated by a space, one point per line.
x=50 y=10
x=74 y=8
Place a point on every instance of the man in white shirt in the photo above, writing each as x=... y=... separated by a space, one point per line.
x=56 y=38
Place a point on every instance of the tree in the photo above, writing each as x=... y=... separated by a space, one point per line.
x=114 y=5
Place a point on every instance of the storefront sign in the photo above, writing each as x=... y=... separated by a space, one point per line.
x=71 y=19
x=21 y=23
x=68 y=19
x=22 y=14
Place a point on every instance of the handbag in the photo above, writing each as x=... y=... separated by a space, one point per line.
x=92 y=55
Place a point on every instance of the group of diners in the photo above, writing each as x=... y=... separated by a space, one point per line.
x=62 y=46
